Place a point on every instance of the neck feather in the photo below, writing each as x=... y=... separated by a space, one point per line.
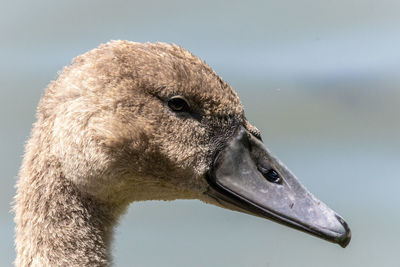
x=57 y=225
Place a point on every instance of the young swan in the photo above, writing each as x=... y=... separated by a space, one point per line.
x=131 y=122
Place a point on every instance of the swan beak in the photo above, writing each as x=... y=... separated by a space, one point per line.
x=247 y=178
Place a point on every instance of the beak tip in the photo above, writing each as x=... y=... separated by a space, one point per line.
x=344 y=239
x=343 y=242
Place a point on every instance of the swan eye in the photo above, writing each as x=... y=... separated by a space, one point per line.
x=178 y=104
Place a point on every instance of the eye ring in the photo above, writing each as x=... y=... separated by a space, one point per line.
x=178 y=104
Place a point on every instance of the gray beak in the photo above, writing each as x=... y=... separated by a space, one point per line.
x=247 y=178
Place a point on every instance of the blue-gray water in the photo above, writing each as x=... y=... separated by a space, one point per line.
x=320 y=79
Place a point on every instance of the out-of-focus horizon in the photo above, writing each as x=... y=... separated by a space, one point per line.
x=320 y=79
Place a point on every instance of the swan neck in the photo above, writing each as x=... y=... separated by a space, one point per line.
x=57 y=225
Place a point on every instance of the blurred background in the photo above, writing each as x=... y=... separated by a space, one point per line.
x=320 y=79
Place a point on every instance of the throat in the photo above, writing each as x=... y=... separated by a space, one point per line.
x=57 y=225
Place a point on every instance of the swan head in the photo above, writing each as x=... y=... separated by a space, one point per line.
x=131 y=122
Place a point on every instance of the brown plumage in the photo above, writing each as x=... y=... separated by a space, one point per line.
x=105 y=137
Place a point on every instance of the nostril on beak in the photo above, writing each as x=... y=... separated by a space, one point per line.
x=270 y=174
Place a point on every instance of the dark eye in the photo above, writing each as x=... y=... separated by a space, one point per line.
x=178 y=104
